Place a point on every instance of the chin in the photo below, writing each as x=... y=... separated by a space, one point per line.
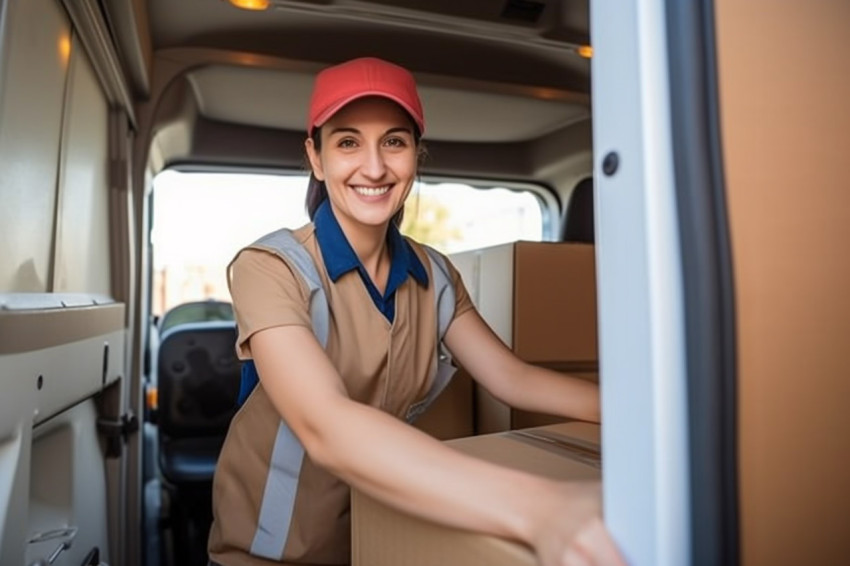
x=374 y=219
x=373 y=215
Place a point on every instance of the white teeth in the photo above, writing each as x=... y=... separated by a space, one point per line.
x=371 y=191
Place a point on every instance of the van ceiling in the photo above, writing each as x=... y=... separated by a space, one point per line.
x=475 y=39
x=490 y=71
x=279 y=99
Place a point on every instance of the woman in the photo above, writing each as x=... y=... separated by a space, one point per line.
x=281 y=487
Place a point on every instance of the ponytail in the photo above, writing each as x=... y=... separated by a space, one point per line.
x=317 y=192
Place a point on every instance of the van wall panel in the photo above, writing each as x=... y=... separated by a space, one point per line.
x=784 y=70
x=68 y=486
x=82 y=244
x=35 y=48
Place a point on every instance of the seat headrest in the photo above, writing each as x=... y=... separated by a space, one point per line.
x=578 y=218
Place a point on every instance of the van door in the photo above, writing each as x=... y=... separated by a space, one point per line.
x=720 y=131
x=666 y=299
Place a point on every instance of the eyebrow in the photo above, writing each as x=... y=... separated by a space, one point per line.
x=344 y=130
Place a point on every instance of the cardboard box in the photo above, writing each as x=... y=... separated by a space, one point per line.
x=451 y=414
x=520 y=419
x=540 y=299
x=384 y=537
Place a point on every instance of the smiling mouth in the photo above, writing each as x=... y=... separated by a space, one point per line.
x=372 y=191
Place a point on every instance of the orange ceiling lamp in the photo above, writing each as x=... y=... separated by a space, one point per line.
x=65 y=48
x=251 y=4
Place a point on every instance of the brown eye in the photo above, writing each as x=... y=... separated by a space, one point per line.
x=347 y=143
x=395 y=142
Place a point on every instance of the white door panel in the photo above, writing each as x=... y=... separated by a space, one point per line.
x=641 y=320
x=68 y=486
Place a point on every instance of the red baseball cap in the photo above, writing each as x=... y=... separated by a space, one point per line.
x=338 y=85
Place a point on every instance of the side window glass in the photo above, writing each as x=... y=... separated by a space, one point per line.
x=454 y=217
x=201 y=220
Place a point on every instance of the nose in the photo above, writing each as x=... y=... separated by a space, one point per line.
x=373 y=167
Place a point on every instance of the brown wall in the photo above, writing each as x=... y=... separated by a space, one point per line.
x=784 y=70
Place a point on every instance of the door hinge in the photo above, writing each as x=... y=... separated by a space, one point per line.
x=117 y=431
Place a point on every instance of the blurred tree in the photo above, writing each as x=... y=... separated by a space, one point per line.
x=428 y=221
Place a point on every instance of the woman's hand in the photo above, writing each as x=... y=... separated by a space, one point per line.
x=569 y=531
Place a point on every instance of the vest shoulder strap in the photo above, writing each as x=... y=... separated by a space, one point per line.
x=444 y=291
x=284 y=244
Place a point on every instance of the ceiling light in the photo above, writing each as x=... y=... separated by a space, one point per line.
x=585 y=51
x=251 y=4
x=65 y=48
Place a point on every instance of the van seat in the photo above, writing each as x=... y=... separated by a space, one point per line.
x=578 y=224
x=198 y=382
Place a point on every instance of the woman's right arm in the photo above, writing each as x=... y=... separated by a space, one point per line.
x=410 y=471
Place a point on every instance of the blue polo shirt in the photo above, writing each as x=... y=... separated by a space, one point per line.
x=340 y=258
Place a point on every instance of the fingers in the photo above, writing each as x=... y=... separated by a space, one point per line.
x=593 y=546
x=573 y=557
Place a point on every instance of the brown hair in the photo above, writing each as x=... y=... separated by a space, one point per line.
x=317 y=192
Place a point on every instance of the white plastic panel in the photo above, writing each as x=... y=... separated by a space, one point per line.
x=82 y=244
x=68 y=486
x=641 y=324
x=35 y=46
x=488 y=274
x=14 y=483
x=64 y=476
x=496 y=290
x=69 y=373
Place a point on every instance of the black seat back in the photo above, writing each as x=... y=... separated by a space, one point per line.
x=578 y=223
x=198 y=381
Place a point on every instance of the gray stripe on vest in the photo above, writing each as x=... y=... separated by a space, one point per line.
x=444 y=299
x=278 y=496
x=278 y=502
x=283 y=243
x=444 y=291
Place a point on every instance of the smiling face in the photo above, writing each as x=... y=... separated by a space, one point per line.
x=367 y=160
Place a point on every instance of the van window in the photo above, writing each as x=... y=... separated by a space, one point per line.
x=455 y=217
x=200 y=221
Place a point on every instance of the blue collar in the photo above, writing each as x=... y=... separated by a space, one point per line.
x=340 y=258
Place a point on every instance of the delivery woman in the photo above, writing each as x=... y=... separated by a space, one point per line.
x=330 y=413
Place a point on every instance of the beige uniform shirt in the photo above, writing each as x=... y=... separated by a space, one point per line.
x=270 y=504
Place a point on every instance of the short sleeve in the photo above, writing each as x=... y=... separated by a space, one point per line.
x=266 y=293
x=462 y=301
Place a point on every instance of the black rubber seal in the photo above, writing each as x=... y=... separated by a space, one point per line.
x=708 y=283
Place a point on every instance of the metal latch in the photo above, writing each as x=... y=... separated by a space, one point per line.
x=65 y=535
x=117 y=431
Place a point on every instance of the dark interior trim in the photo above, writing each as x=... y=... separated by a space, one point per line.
x=708 y=283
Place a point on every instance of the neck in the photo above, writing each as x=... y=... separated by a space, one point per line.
x=370 y=245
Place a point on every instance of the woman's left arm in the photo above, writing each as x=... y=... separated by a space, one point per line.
x=513 y=381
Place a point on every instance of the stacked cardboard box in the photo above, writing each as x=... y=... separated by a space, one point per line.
x=384 y=537
x=540 y=299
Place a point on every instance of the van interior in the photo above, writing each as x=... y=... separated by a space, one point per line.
x=124 y=123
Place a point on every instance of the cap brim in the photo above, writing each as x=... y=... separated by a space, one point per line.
x=338 y=105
